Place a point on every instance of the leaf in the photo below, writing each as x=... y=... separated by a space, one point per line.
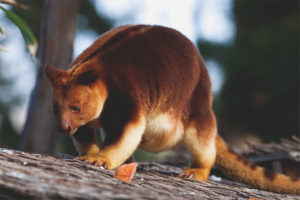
x=2 y=31
x=125 y=172
x=28 y=36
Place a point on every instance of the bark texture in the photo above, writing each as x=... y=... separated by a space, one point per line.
x=36 y=176
x=56 y=48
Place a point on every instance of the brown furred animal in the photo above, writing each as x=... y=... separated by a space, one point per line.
x=148 y=88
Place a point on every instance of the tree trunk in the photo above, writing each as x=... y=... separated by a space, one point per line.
x=56 y=48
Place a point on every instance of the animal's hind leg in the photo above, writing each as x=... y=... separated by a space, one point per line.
x=199 y=139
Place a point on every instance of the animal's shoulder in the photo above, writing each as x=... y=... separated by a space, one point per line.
x=103 y=41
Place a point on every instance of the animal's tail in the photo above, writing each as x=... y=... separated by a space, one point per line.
x=237 y=167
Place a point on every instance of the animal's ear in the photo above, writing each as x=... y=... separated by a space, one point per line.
x=87 y=77
x=53 y=73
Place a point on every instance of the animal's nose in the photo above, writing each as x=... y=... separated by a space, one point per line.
x=65 y=126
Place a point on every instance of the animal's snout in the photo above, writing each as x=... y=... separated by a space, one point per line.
x=65 y=126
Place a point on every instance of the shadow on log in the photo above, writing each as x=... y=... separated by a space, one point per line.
x=35 y=176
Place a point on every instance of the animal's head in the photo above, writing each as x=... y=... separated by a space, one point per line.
x=78 y=96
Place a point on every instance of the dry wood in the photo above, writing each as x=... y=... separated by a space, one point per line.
x=289 y=149
x=35 y=176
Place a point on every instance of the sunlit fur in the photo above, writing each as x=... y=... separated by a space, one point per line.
x=67 y=92
x=148 y=87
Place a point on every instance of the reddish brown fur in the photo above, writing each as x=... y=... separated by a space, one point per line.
x=234 y=166
x=147 y=87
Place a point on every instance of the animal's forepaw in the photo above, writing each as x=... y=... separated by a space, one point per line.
x=96 y=160
x=194 y=173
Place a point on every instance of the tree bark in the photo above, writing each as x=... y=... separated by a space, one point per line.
x=35 y=176
x=56 y=48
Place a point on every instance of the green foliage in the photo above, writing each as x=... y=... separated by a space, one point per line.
x=9 y=136
x=28 y=36
x=1 y=30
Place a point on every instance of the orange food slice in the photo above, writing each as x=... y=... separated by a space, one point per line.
x=125 y=172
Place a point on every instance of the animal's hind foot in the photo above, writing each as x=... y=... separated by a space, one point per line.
x=200 y=174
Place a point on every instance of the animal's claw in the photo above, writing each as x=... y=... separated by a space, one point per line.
x=96 y=160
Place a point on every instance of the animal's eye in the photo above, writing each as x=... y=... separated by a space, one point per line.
x=75 y=108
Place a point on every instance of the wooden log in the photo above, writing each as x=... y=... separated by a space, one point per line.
x=36 y=176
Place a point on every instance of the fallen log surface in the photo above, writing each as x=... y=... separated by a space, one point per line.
x=35 y=176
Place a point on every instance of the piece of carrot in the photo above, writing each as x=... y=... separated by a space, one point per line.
x=125 y=172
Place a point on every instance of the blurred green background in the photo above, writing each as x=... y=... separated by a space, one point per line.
x=256 y=68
